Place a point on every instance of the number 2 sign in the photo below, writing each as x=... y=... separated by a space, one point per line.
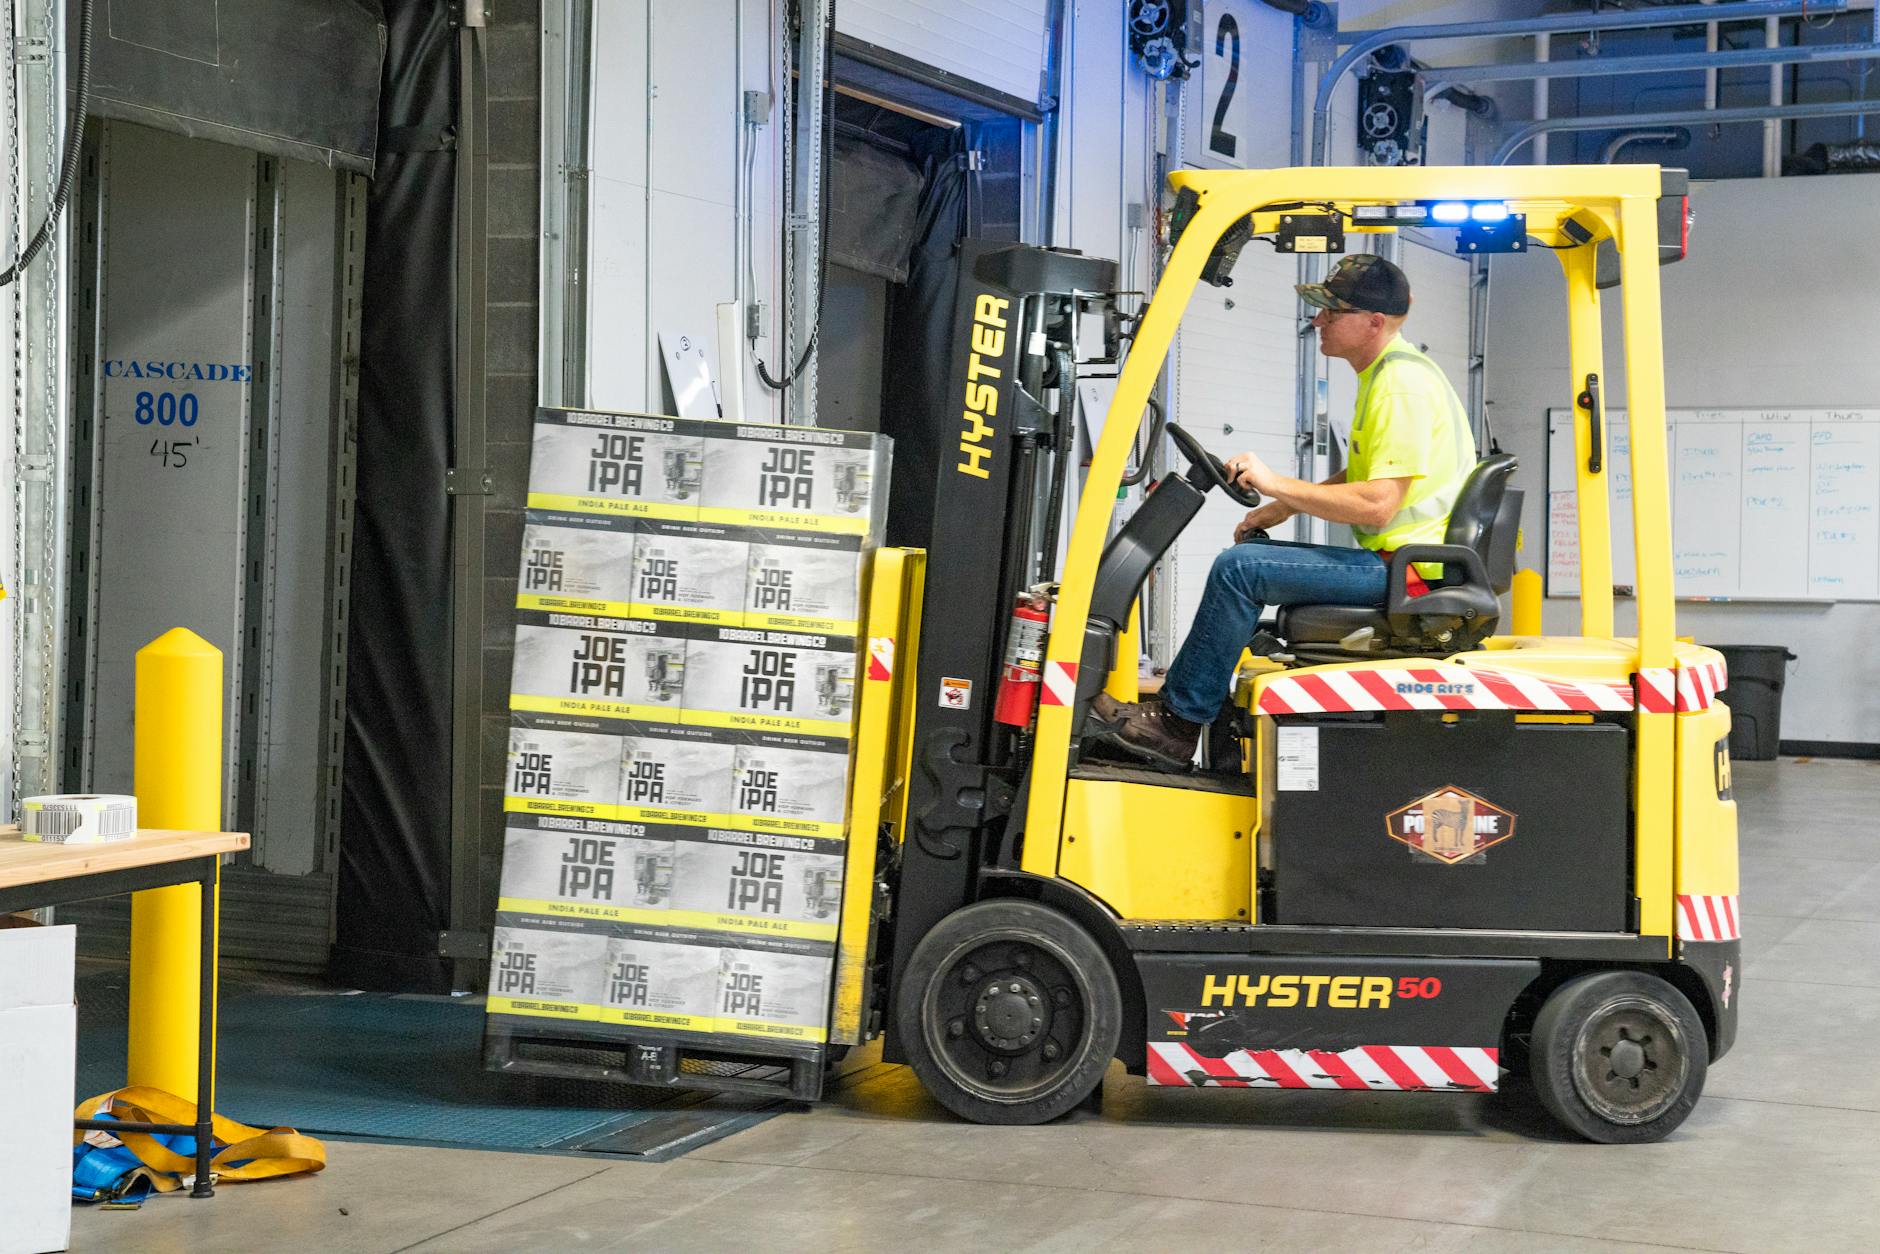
x=1238 y=114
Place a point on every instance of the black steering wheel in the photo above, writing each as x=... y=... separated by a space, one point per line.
x=1214 y=472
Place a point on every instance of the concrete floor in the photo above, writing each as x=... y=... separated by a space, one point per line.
x=1783 y=1153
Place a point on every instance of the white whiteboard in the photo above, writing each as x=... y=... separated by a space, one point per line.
x=1766 y=504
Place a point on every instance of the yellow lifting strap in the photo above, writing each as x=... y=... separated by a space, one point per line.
x=246 y=1154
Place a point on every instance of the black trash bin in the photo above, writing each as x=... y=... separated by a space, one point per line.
x=1754 y=695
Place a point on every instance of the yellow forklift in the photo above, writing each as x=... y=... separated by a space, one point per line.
x=1427 y=855
x=1420 y=855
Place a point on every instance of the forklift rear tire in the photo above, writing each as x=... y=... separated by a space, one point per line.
x=1009 y=1012
x=1619 y=1057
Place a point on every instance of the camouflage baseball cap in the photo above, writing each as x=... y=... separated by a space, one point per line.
x=1361 y=281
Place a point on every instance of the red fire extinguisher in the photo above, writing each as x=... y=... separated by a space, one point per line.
x=1024 y=656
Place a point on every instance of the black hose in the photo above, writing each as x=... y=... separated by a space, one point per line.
x=1063 y=436
x=1158 y=420
x=828 y=87
x=69 y=174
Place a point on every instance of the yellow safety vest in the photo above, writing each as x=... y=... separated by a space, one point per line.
x=1410 y=423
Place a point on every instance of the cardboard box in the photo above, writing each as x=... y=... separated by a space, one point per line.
x=546 y=968
x=577 y=562
x=804 y=581
x=631 y=465
x=584 y=868
x=38 y=1041
x=790 y=784
x=675 y=774
x=800 y=477
x=770 y=680
x=761 y=882
x=776 y=989
x=588 y=665
x=658 y=980
x=559 y=764
x=690 y=572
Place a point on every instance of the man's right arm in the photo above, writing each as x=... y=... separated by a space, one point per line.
x=1273 y=513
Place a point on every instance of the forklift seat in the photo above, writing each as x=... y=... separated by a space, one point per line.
x=1461 y=609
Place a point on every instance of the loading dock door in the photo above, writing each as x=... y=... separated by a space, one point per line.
x=211 y=489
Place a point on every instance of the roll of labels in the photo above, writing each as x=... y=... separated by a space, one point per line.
x=78 y=818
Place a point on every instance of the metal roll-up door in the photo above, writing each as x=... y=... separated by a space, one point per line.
x=212 y=490
x=991 y=43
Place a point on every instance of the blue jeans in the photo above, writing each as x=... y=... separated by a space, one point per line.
x=1245 y=580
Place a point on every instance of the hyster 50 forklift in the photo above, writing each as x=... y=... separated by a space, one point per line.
x=1422 y=855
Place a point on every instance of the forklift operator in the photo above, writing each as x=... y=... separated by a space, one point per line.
x=1411 y=450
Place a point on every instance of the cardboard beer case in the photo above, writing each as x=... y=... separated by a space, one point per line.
x=765 y=883
x=690 y=572
x=629 y=465
x=565 y=765
x=675 y=774
x=585 y=868
x=806 y=478
x=790 y=783
x=547 y=968
x=804 y=581
x=597 y=666
x=576 y=562
x=782 y=681
x=656 y=979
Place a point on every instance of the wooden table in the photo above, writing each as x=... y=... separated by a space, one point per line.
x=34 y=876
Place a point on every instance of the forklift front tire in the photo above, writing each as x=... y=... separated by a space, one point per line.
x=1619 y=1057
x=1009 y=1012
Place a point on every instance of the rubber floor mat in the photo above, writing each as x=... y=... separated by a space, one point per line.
x=406 y=1069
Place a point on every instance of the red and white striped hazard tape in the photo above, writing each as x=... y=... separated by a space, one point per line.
x=1680 y=689
x=881 y=658
x=1712 y=918
x=1060 y=683
x=1416 y=1068
x=1438 y=686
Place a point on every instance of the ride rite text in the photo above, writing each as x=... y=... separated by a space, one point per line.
x=769 y=680
x=616 y=463
x=787 y=478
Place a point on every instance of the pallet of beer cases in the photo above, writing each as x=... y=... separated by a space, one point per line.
x=682 y=701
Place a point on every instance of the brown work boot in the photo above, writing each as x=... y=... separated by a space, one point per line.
x=1106 y=711
x=1151 y=730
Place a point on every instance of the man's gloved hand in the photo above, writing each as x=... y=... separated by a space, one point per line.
x=1267 y=517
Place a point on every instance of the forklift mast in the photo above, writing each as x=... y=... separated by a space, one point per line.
x=1001 y=465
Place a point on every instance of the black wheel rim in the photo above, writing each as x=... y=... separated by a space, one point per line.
x=1630 y=1060
x=1005 y=1017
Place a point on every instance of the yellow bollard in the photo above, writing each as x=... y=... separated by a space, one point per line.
x=178 y=783
x=1121 y=682
x=1527 y=603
